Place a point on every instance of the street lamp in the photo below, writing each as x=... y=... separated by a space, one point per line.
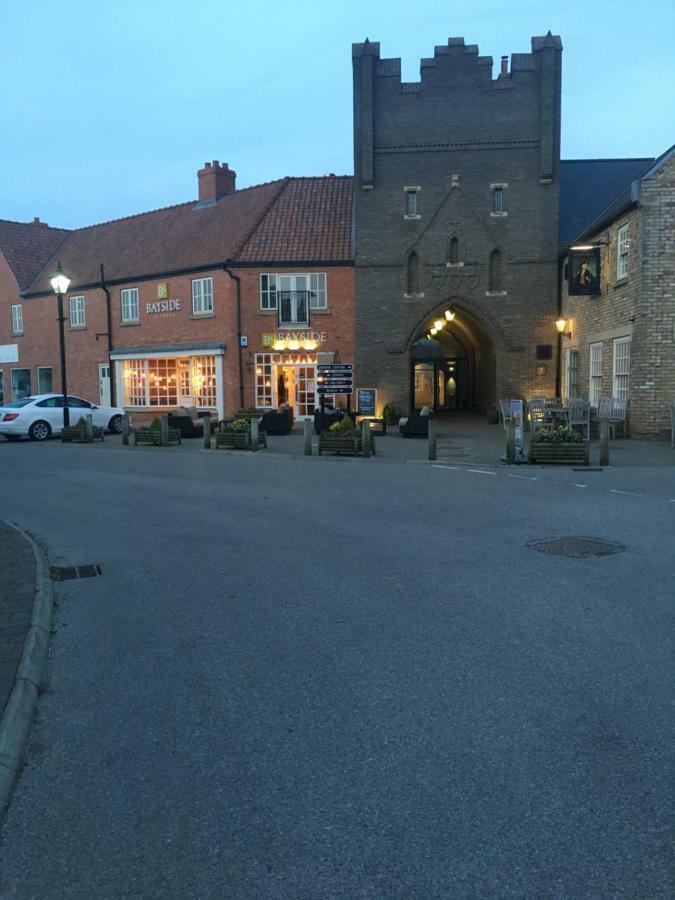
x=60 y=283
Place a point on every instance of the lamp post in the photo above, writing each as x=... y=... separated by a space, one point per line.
x=560 y=325
x=60 y=283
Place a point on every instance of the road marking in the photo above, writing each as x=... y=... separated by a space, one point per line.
x=580 y=485
x=529 y=477
x=454 y=468
x=481 y=472
x=629 y=493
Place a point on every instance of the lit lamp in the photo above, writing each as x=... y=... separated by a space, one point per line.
x=561 y=325
x=438 y=324
x=60 y=283
x=449 y=315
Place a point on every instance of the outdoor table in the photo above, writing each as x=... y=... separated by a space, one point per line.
x=559 y=413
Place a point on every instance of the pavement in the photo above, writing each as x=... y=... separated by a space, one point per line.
x=345 y=678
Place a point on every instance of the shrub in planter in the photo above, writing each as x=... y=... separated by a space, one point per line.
x=392 y=414
x=562 y=435
x=241 y=425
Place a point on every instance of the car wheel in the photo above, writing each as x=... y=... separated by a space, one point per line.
x=13 y=437
x=115 y=425
x=39 y=431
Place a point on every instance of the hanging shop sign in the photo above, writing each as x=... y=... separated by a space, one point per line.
x=583 y=271
x=162 y=306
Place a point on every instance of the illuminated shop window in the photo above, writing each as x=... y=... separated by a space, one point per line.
x=161 y=382
x=204 y=381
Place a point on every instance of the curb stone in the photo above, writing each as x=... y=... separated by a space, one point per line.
x=18 y=714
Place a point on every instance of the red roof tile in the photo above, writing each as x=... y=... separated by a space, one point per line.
x=27 y=246
x=291 y=219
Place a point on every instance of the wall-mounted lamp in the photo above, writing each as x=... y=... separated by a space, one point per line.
x=449 y=315
x=561 y=324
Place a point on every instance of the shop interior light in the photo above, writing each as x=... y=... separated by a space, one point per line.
x=434 y=331
x=449 y=315
x=438 y=324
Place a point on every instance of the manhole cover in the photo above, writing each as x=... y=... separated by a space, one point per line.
x=60 y=573
x=577 y=547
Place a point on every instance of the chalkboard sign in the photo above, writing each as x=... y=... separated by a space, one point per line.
x=366 y=401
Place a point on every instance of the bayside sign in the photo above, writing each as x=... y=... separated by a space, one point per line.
x=162 y=306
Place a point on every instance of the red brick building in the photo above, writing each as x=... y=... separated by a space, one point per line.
x=224 y=302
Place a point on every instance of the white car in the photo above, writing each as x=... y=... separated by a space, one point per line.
x=40 y=416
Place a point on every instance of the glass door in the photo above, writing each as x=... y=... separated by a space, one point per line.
x=184 y=382
x=305 y=391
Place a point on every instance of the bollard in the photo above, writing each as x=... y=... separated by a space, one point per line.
x=308 y=437
x=604 y=443
x=254 y=435
x=365 y=438
x=207 y=432
x=89 y=419
x=433 y=436
x=164 y=431
x=125 y=431
x=510 y=444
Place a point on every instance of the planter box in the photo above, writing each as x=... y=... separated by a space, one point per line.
x=238 y=440
x=78 y=435
x=153 y=436
x=343 y=444
x=543 y=452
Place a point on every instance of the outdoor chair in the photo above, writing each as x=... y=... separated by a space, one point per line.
x=277 y=421
x=579 y=415
x=613 y=410
x=416 y=425
x=671 y=407
x=539 y=415
x=189 y=421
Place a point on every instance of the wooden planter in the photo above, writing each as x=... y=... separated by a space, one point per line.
x=78 y=435
x=153 y=436
x=343 y=444
x=549 y=453
x=238 y=440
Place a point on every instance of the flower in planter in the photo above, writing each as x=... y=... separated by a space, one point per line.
x=562 y=435
x=240 y=425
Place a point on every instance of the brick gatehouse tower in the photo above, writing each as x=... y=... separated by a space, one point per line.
x=456 y=225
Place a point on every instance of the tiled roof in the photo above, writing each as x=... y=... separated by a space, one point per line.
x=311 y=220
x=290 y=219
x=27 y=246
x=588 y=186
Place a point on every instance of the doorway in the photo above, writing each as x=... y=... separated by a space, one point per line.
x=104 y=384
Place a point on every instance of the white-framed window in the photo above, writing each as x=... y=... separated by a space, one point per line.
x=572 y=381
x=162 y=382
x=621 y=367
x=129 y=304
x=293 y=295
x=263 y=380
x=77 y=312
x=17 y=318
x=622 y=252
x=202 y=296
x=21 y=383
x=595 y=376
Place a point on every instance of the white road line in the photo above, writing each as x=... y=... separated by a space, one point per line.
x=629 y=493
x=529 y=477
x=580 y=485
x=454 y=468
x=481 y=472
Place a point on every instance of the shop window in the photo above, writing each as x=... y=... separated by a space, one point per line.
x=184 y=381
x=621 y=367
x=202 y=296
x=162 y=382
x=45 y=380
x=17 y=319
x=129 y=304
x=134 y=383
x=21 y=383
x=495 y=272
x=413 y=285
x=595 y=376
x=77 y=312
x=204 y=381
x=263 y=379
x=622 y=253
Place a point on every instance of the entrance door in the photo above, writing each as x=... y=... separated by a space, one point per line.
x=184 y=382
x=305 y=391
x=104 y=385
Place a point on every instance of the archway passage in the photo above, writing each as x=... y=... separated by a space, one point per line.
x=453 y=369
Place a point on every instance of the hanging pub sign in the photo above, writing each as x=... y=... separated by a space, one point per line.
x=583 y=271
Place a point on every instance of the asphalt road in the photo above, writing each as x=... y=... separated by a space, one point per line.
x=343 y=678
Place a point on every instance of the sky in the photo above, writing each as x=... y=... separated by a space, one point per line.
x=110 y=108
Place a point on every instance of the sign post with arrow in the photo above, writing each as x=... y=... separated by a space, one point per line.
x=335 y=378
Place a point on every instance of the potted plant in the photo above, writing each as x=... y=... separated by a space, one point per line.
x=392 y=414
x=152 y=434
x=237 y=436
x=343 y=438
x=561 y=446
x=78 y=433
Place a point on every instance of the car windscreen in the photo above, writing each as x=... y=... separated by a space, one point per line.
x=17 y=404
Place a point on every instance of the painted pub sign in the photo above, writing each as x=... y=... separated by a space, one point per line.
x=583 y=271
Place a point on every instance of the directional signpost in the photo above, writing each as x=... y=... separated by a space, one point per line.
x=335 y=378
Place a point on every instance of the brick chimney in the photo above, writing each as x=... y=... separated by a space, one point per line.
x=215 y=181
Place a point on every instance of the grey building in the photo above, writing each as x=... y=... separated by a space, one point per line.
x=456 y=197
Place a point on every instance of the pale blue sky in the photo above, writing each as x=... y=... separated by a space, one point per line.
x=110 y=108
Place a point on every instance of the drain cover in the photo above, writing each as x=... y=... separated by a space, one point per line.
x=65 y=574
x=577 y=547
